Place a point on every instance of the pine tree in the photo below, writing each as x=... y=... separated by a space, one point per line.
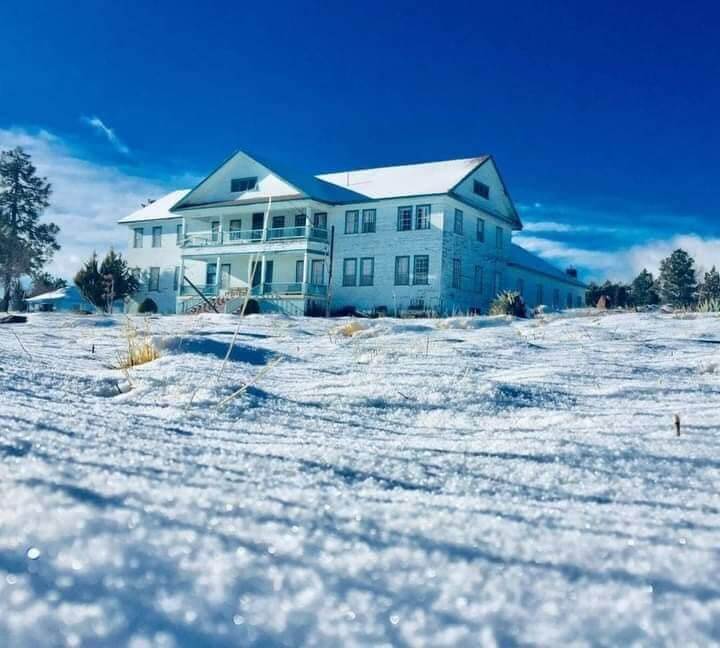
x=120 y=282
x=710 y=286
x=102 y=283
x=643 y=291
x=44 y=282
x=677 y=279
x=90 y=282
x=25 y=243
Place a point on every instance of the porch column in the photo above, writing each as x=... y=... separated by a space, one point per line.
x=308 y=216
x=217 y=275
x=262 y=274
x=181 y=273
x=305 y=270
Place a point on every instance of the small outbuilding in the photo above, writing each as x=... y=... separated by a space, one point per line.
x=68 y=299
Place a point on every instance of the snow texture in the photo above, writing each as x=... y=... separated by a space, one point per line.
x=464 y=482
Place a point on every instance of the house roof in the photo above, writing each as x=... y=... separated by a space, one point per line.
x=158 y=209
x=407 y=179
x=523 y=258
x=68 y=292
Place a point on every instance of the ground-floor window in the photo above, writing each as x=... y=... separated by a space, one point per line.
x=539 y=296
x=478 y=279
x=367 y=271
x=317 y=271
x=421 y=269
x=520 y=287
x=497 y=286
x=154 y=282
x=569 y=300
x=457 y=274
x=349 y=272
x=299 y=270
x=402 y=270
x=176 y=278
x=556 y=298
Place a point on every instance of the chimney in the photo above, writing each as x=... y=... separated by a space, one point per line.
x=571 y=272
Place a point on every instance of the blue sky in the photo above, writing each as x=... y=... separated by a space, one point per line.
x=603 y=117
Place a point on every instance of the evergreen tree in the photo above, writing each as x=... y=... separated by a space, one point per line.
x=102 y=283
x=677 y=279
x=120 y=282
x=17 y=297
x=44 y=282
x=90 y=282
x=643 y=291
x=25 y=243
x=710 y=287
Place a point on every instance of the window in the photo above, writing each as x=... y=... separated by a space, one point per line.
x=520 y=287
x=404 y=220
x=478 y=279
x=539 y=295
x=137 y=237
x=497 y=286
x=368 y=220
x=278 y=222
x=178 y=234
x=211 y=274
x=300 y=220
x=235 y=229
x=556 y=298
x=242 y=184
x=498 y=237
x=349 y=272
x=421 y=266
x=320 y=220
x=481 y=189
x=157 y=236
x=402 y=270
x=458 y=221
x=351 y=221
x=299 y=270
x=367 y=271
x=569 y=300
x=215 y=231
x=176 y=278
x=422 y=217
x=480 y=232
x=154 y=283
x=578 y=301
x=456 y=274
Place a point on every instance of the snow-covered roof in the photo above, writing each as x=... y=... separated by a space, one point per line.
x=519 y=256
x=405 y=180
x=158 y=209
x=53 y=295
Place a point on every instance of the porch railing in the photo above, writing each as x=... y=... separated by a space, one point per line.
x=239 y=237
x=274 y=288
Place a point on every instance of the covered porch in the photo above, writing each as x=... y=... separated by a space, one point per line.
x=268 y=277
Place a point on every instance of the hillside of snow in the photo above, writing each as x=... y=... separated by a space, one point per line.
x=457 y=482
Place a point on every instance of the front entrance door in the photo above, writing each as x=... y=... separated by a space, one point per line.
x=255 y=273
x=268 y=275
x=225 y=275
x=317 y=272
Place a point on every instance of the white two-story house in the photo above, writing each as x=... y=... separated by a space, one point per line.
x=431 y=237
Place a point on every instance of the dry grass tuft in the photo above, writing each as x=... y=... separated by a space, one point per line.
x=350 y=329
x=140 y=346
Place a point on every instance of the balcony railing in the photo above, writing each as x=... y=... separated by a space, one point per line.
x=267 y=289
x=240 y=237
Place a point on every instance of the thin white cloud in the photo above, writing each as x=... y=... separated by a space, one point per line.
x=107 y=132
x=624 y=264
x=554 y=226
x=87 y=198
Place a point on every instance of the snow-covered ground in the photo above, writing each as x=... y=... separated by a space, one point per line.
x=422 y=483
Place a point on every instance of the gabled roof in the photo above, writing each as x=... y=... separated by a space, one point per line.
x=158 y=209
x=523 y=258
x=425 y=178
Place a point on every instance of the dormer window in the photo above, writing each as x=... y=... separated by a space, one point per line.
x=238 y=185
x=481 y=189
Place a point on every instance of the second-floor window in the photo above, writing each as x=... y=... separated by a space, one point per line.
x=349 y=272
x=351 y=221
x=421 y=268
x=320 y=220
x=367 y=271
x=278 y=222
x=157 y=236
x=402 y=270
x=404 y=219
x=138 y=237
x=458 y=221
x=235 y=229
x=154 y=279
x=368 y=220
x=480 y=231
x=499 y=237
x=456 y=274
x=178 y=234
x=215 y=231
x=422 y=217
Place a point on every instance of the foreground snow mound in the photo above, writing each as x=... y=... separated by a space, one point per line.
x=463 y=482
